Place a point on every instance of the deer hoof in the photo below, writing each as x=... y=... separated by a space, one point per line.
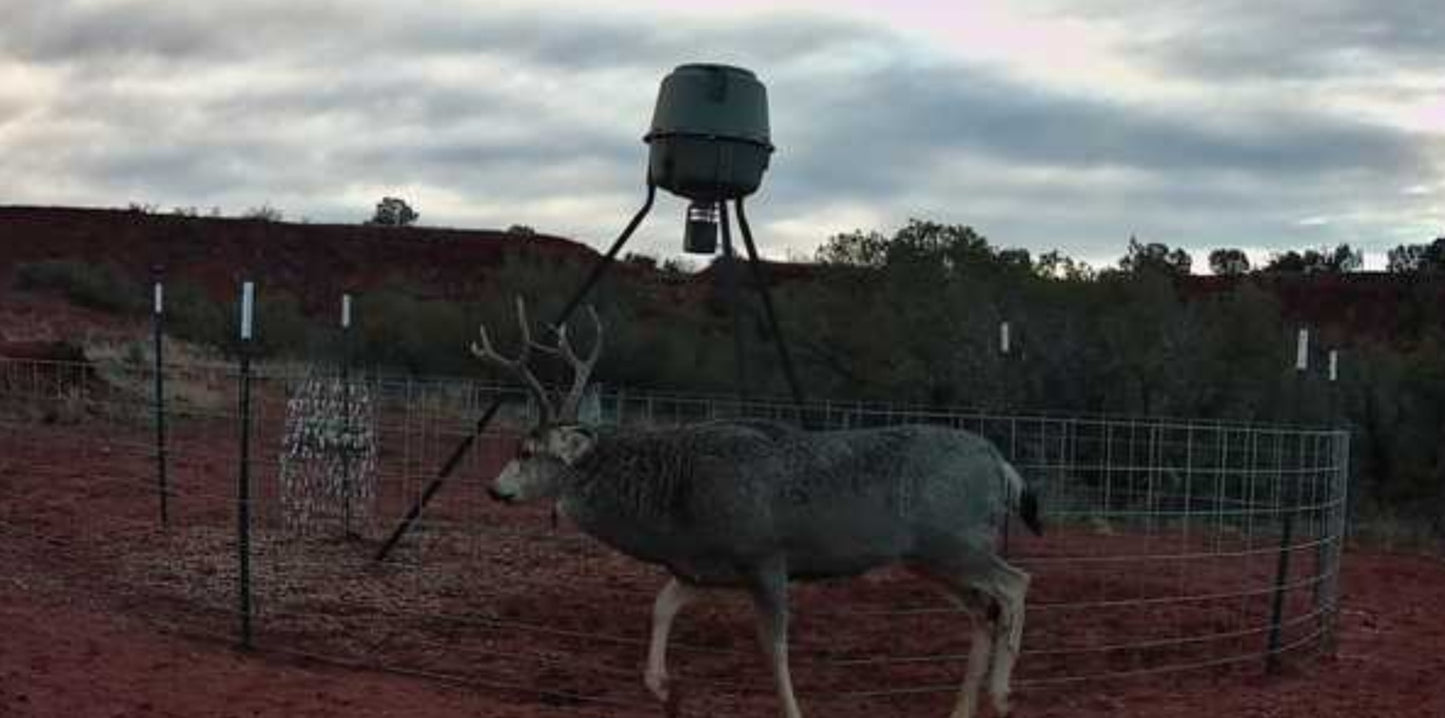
x=657 y=683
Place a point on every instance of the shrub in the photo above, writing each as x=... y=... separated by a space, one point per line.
x=191 y=314
x=281 y=328
x=97 y=286
x=398 y=330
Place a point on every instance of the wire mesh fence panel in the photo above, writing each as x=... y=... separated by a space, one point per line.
x=1170 y=545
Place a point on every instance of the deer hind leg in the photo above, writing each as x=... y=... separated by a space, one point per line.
x=670 y=600
x=980 y=646
x=770 y=598
x=1007 y=586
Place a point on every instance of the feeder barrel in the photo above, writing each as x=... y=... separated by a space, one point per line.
x=709 y=139
x=712 y=101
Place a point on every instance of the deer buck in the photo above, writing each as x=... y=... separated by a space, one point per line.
x=751 y=505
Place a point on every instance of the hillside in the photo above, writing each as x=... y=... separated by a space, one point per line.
x=1375 y=305
x=315 y=261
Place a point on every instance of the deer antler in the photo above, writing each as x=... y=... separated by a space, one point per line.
x=581 y=368
x=517 y=366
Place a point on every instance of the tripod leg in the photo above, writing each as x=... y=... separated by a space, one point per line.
x=436 y=483
x=760 y=280
x=606 y=261
x=598 y=270
x=729 y=278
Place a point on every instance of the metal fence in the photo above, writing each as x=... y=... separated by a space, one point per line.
x=1173 y=546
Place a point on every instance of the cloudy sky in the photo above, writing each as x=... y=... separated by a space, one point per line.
x=1044 y=124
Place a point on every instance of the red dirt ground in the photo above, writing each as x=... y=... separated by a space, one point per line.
x=64 y=658
x=69 y=647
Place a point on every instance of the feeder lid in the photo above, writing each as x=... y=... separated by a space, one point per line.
x=712 y=101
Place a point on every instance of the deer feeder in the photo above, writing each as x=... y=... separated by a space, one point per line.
x=709 y=142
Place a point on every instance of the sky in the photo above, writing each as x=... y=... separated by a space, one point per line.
x=1040 y=123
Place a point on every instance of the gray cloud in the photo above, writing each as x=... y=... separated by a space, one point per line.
x=951 y=141
x=577 y=39
x=905 y=113
x=1294 y=41
x=496 y=116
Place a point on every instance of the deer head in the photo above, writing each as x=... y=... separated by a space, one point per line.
x=558 y=441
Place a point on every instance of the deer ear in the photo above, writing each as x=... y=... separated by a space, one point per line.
x=570 y=444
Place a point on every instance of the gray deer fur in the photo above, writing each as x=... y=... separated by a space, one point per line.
x=751 y=504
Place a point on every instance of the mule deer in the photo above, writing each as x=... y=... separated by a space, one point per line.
x=749 y=505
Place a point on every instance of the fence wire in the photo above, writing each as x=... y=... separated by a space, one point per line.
x=1163 y=552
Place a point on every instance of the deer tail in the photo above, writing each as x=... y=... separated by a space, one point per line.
x=1027 y=502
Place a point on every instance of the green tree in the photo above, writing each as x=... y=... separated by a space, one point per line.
x=1421 y=258
x=1339 y=260
x=1228 y=262
x=393 y=212
x=1056 y=265
x=855 y=249
x=1155 y=257
x=264 y=213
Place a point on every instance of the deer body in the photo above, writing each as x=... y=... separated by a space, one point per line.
x=711 y=502
x=751 y=505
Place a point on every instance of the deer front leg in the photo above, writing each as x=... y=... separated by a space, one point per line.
x=670 y=600
x=770 y=598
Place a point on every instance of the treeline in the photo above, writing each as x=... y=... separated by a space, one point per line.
x=914 y=317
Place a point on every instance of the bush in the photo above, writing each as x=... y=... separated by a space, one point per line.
x=398 y=330
x=191 y=314
x=97 y=286
x=281 y=328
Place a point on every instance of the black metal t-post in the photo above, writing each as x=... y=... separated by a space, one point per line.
x=598 y=270
x=243 y=483
x=347 y=483
x=1005 y=352
x=1288 y=500
x=1325 y=551
x=158 y=324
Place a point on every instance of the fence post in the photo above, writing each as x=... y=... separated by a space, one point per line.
x=347 y=488
x=1323 y=567
x=1007 y=529
x=1272 y=663
x=243 y=484
x=1340 y=519
x=1286 y=535
x=158 y=325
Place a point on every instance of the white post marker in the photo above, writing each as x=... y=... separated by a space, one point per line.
x=160 y=298
x=1302 y=351
x=1334 y=366
x=346 y=311
x=1003 y=338
x=248 y=306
